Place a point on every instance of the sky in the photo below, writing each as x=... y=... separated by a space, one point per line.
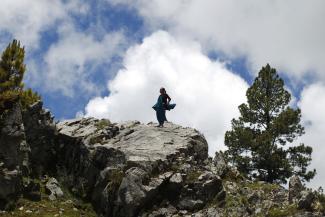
x=108 y=59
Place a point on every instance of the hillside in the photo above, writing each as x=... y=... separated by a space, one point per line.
x=128 y=169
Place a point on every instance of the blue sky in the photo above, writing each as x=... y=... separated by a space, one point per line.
x=100 y=19
x=108 y=58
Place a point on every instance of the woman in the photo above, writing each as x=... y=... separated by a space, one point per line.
x=162 y=105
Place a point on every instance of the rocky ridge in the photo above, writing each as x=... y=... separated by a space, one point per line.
x=133 y=169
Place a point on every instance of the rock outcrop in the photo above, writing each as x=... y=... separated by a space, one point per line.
x=14 y=153
x=132 y=169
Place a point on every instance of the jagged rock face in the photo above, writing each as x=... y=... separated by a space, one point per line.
x=132 y=169
x=139 y=143
x=121 y=163
x=14 y=153
x=40 y=133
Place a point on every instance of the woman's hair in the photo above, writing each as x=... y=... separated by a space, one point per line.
x=162 y=90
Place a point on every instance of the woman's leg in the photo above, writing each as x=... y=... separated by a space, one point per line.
x=160 y=117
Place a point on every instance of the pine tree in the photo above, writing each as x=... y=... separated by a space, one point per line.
x=257 y=141
x=28 y=97
x=12 y=69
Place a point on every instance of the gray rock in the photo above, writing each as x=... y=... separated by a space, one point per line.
x=306 y=200
x=131 y=169
x=190 y=204
x=14 y=156
x=161 y=212
x=295 y=187
x=10 y=187
x=40 y=136
x=220 y=164
x=210 y=212
x=53 y=187
x=176 y=178
x=148 y=142
x=143 y=149
x=32 y=190
x=255 y=197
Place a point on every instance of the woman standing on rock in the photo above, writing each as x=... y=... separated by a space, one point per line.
x=162 y=105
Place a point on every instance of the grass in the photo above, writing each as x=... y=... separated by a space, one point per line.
x=96 y=139
x=116 y=179
x=67 y=206
x=102 y=124
x=282 y=212
x=235 y=201
x=47 y=208
x=193 y=175
x=266 y=187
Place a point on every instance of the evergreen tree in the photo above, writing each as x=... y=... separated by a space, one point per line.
x=29 y=97
x=256 y=143
x=12 y=69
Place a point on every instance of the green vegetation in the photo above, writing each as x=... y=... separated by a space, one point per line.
x=12 y=69
x=239 y=198
x=95 y=139
x=115 y=181
x=289 y=210
x=235 y=201
x=267 y=123
x=28 y=97
x=47 y=208
x=102 y=124
x=321 y=198
x=193 y=175
x=265 y=187
x=67 y=206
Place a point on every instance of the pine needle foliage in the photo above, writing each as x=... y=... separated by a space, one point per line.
x=12 y=70
x=258 y=138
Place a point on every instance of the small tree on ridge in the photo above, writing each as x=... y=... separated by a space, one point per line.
x=256 y=142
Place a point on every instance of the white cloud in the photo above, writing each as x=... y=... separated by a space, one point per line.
x=25 y=20
x=206 y=93
x=312 y=105
x=287 y=34
x=68 y=63
x=71 y=60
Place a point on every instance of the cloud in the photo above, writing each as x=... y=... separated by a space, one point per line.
x=67 y=63
x=312 y=105
x=207 y=94
x=287 y=34
x=75 y=57
x=26 y=20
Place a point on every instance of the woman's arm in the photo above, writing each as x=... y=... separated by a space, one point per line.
x=168 y=99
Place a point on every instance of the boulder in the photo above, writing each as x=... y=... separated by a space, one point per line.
x=89 y=146
x=53 y=188
x=10 y=188
x=32 y=190
x=220 y=164
x=190 y=204
x=295 y=187
x=306 y=200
